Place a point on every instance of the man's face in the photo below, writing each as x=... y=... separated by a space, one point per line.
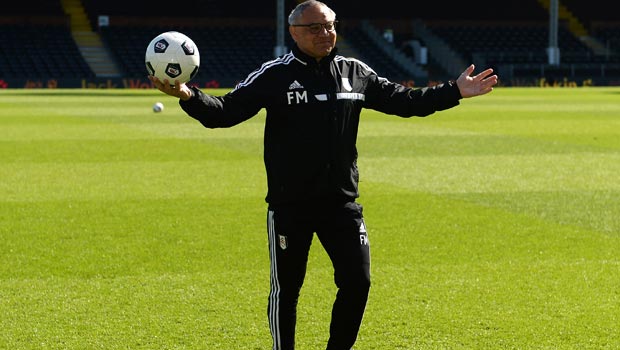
x=316 y=45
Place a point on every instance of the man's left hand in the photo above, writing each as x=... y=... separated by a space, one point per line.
x=479 y=84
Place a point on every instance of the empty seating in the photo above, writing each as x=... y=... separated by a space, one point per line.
x=481 y=32
x=227 y=54
x=508 y=43
x=40 y=52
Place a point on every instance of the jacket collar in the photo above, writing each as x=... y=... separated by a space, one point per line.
x=310 y=61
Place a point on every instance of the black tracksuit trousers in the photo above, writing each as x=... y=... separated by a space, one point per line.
x=341 y=230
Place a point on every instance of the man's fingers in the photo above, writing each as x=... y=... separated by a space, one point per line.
x=467 y=72
x=487 y=84
x=483 y=74
x=155 y=81
x=175 y=89
x=490 y=81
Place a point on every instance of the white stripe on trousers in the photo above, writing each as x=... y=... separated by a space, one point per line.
x=274 y=294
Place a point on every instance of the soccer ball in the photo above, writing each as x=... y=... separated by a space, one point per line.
x=158 y=107
x=172 y=56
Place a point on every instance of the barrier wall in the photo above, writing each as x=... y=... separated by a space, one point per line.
x=143 y=83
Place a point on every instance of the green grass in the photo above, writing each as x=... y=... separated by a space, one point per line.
x=494 y=225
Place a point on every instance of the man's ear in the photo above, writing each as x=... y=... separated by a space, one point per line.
x=291 y=31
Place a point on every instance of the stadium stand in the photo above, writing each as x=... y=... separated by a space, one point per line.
x=592 y=11
x=609 y=34
x=516 y=45
x=227 y=54
x=372 y=55
x=235 y=37
x=36 y=42
x=42 y=51
x=517 y=42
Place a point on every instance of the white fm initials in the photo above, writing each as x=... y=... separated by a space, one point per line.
x=364 y=240
x=297 y=97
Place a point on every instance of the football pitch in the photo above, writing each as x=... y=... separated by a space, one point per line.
x=493 y=225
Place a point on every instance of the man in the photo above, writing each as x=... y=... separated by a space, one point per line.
x=313 y=99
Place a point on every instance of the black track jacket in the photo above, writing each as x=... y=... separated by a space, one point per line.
x=313 y=111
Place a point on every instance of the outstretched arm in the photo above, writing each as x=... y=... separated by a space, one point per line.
x=211 y=111
x=479 y=84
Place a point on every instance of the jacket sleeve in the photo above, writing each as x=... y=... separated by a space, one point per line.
x=220 y=111
x=392 y=98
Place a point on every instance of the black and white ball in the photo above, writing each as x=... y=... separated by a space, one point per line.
x=158 y=107
x=172 y=56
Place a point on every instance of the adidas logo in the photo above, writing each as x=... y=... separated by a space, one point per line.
x=295 y=85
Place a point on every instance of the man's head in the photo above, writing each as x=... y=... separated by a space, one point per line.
x=312 y=25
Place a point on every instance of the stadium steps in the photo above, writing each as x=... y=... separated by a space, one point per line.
x=574 y=25
x=77 y=15
x=444 y=56
x=577 y=28
x=399 y=58
x=89 y=43
x=96 y=55
x=595 y=45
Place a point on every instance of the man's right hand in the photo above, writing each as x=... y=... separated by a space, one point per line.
x=177 y=90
